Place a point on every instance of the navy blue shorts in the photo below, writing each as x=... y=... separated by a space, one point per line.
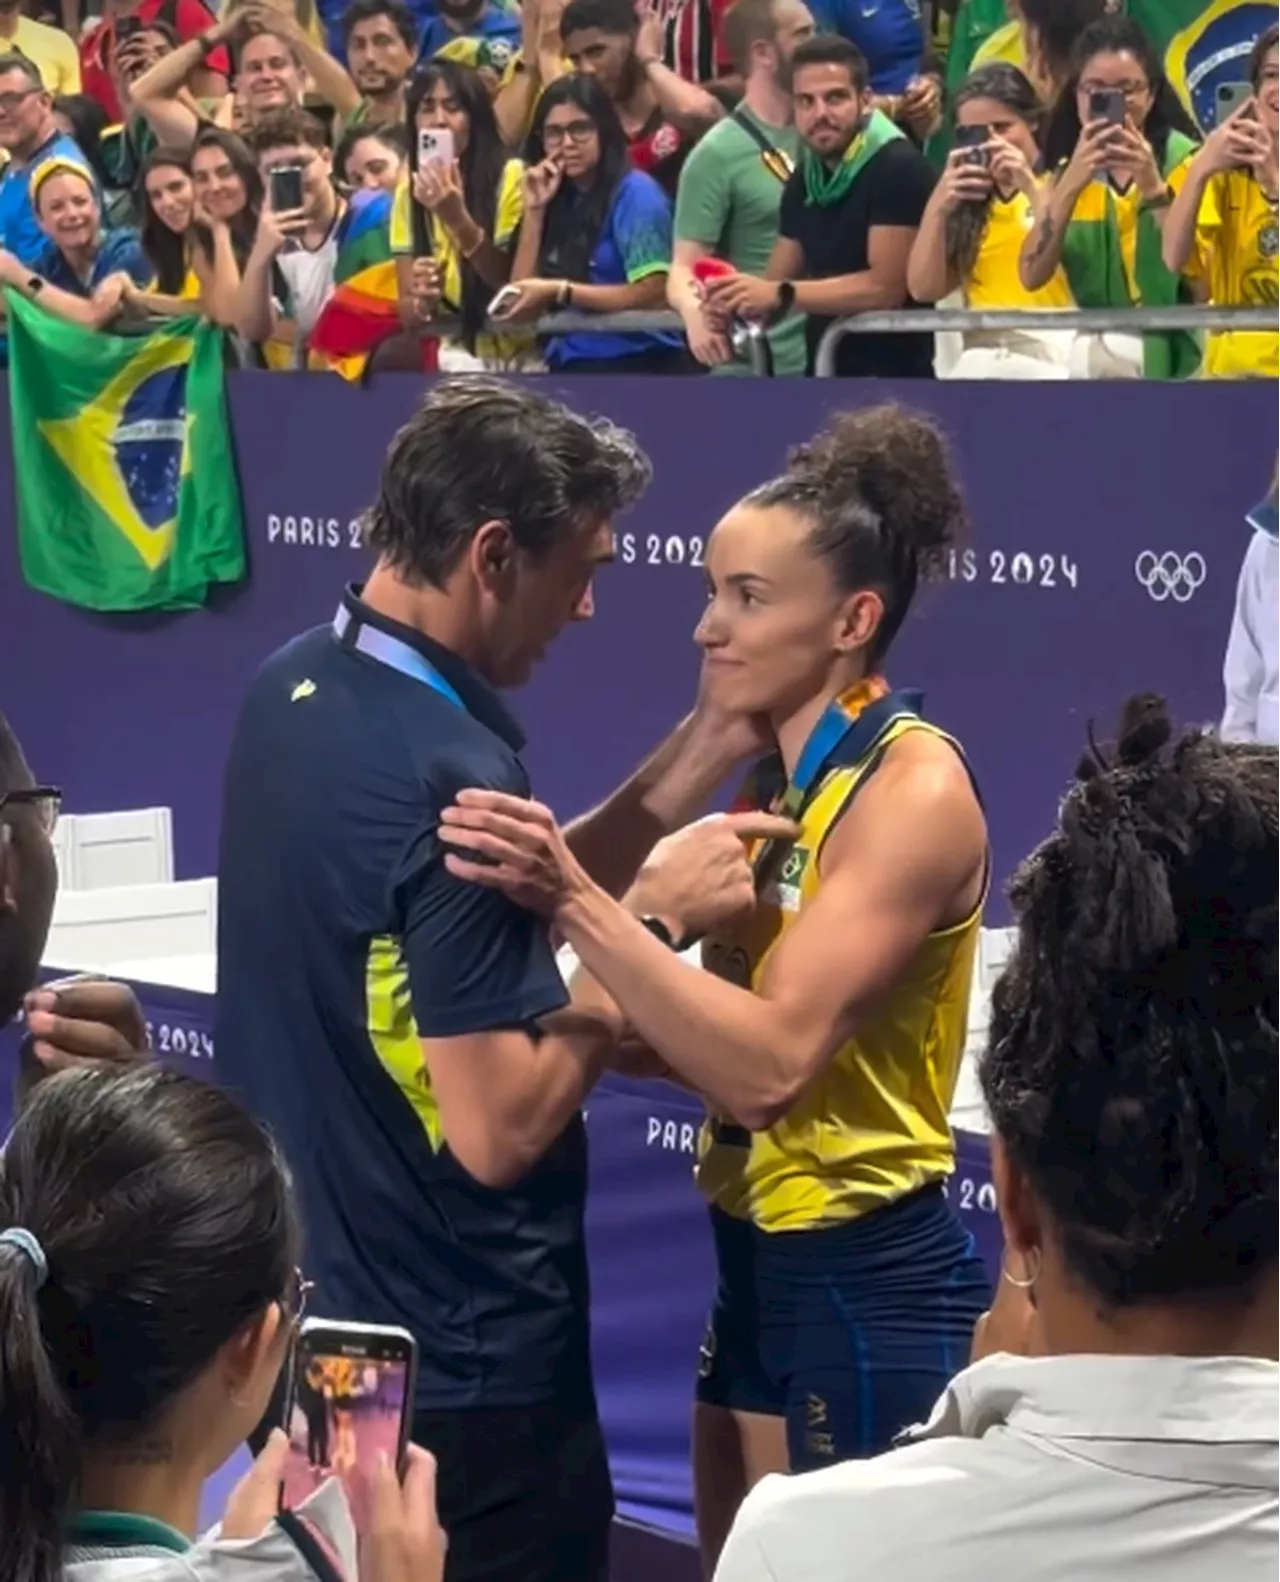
x=850 y=1332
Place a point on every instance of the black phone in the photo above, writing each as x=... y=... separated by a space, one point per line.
x=350 y=1403
x=1108 y=104
x=286 y=188
x=972 y=139
x=127 y=27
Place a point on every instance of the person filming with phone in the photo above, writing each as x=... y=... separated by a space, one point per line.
x=1118 y=142
x=289 y=275
x=973 y=227
x=1222 y=226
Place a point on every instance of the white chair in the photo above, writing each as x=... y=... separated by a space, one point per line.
x=109 y=850
x=93 y=930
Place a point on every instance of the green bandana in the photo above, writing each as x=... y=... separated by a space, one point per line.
x=823 y=187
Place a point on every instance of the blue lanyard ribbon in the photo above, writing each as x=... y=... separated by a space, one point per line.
x=352 y=632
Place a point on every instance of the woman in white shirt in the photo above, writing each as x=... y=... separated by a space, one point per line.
x=1131 y=1077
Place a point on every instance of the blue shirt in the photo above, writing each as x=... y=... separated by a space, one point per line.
x=19 y=232
x=489 y=41
x=888 y=32
x=634 y=243
x=343 y=940
x=119 y=252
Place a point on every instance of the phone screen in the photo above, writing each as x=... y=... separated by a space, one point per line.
x=351 y=1404
x=286 y=189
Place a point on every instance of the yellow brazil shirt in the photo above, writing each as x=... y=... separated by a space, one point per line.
x=1099 y=197
x=1006 y=44
x=50 y=50
x=874 y=1125
x=1236 y=247
x=508 y=213
x=993 y=281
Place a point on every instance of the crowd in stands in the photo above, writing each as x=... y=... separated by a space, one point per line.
x=763 y=169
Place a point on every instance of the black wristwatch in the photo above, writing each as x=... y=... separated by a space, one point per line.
x=786 y=301
x=663 y=935
x=35 y=285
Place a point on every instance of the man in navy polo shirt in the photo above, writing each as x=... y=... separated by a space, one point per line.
x=407 y=1035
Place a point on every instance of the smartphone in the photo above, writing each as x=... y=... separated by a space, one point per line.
x=127 y=27
x=350 y=1403
x=1227 y=99
x=286 y=188
x=1107 y=104
x=971 y=139
x=434 y=144
x=503 y=301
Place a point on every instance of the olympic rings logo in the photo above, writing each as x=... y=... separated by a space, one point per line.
x=1170 y=576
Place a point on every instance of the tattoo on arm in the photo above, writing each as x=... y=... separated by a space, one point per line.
x=1043 y=239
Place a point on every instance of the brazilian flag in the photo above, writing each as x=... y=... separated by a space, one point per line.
x=127 y=490
x=1204 y=43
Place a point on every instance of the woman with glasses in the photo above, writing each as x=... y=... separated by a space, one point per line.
x=596 y=236
x=455 y=219
x=1119 y=144
x=1224 y=226
x=149 y=1294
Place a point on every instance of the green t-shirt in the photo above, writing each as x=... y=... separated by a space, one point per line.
x=728 y=201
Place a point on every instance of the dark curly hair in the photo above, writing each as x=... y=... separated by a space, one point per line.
x=1131 y=1069
x=882 y=494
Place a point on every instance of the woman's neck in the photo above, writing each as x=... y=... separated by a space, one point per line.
x=1245 y=1325
x=146 y=1479
x=81 y=259
x=793 y=727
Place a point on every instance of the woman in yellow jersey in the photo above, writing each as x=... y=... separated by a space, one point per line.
x=973 y=227
x=166 y=200
x=1118 y=142
x=462 y=215
x=1222 y=228
x=826 y=1035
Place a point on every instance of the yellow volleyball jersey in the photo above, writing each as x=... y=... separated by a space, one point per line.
x=873 y=1125
x=994 y=281
x=1237 y=239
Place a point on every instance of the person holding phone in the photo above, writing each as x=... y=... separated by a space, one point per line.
x=1223 y=228
x=1119 y=145
x=974 y=225
x=596 y=236
x=456 y=214
x=149 y=1297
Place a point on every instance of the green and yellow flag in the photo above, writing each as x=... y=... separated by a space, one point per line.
x=127 y=491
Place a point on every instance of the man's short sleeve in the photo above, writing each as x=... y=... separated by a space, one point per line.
x=475 y=961
x=903 y=187
x=641 y=223
x=702 y=197
x=791 y=210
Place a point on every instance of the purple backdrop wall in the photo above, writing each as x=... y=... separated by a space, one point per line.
x=1044 y=625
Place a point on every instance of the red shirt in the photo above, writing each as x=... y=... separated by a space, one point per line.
x=187 y=18
x=659 y=149
x=692 y=40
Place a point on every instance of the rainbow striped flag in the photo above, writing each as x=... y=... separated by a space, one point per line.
x=362 y=312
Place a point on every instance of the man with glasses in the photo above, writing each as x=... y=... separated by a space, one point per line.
x=83 y=1019
x=29 y=135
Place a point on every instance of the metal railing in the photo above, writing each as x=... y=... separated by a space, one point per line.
x=1081 y=321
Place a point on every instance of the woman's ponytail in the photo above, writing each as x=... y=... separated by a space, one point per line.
x=39 y=1449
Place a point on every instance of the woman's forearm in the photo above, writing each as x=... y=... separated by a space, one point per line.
x=1178 y=236
x=929 y=277
x=219 y=277
x=477 y=248
x=1042 y=251
x=524 y=265
x=639 y=296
